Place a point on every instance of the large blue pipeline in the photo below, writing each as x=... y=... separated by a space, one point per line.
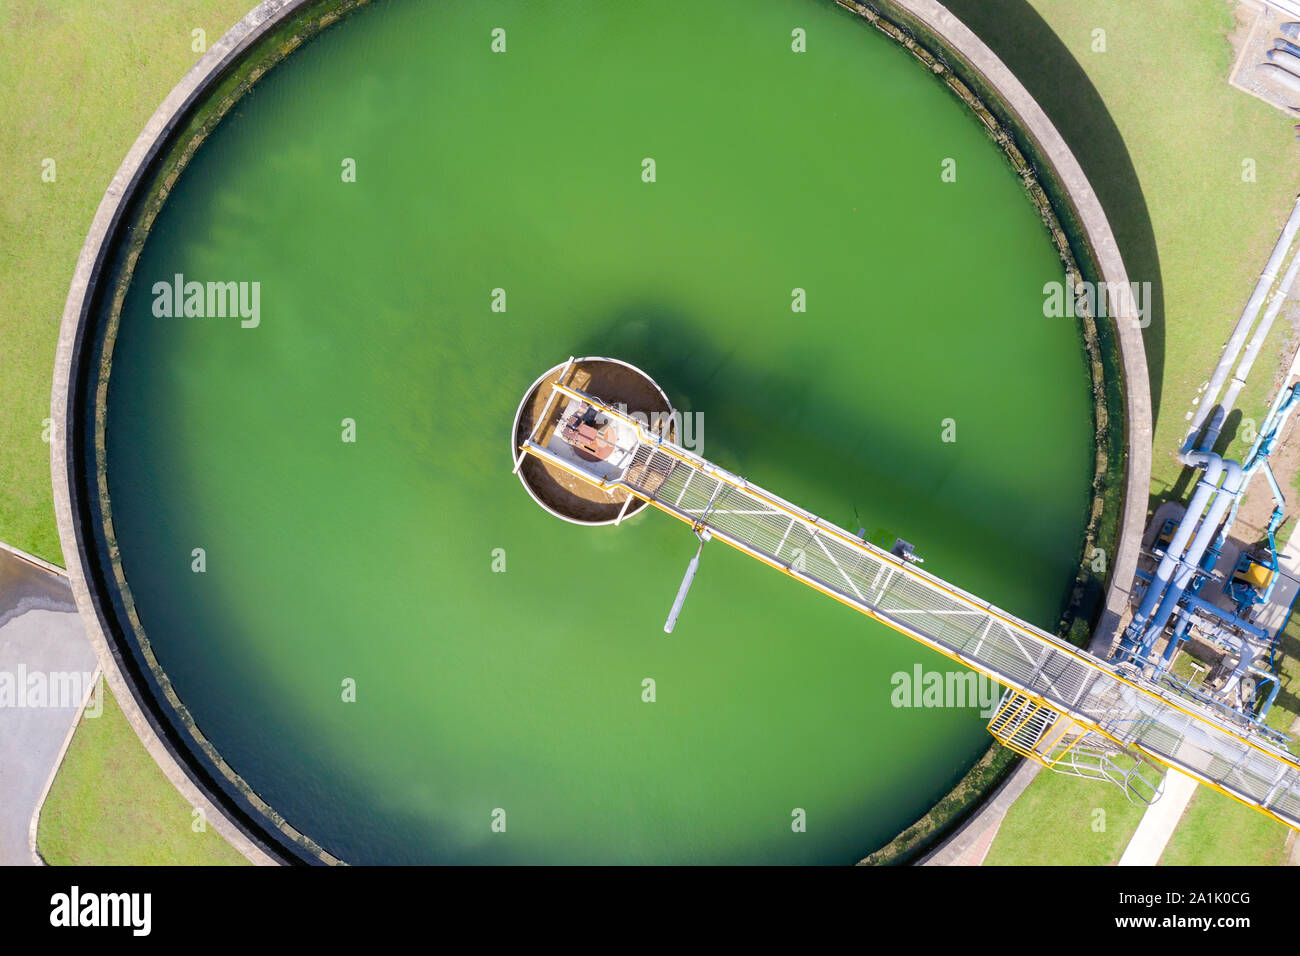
x=1184 y=560
x=1190 y=564
x=1206 y=489
x=1194 y=550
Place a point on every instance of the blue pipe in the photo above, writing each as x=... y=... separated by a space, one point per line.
x=1273 y=424
x=1267 y=438
x=1208 y=563
x=1272 y=564
x=1272 y=483
x=1175 y=642
x=1257 y=459
x=1215 y=427
x=1205 y=488
x=1223 y=498
x=1200 y=604
x=1203 y=605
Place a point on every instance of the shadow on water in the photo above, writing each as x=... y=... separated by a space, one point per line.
x=698 y=372
x=1032 y=50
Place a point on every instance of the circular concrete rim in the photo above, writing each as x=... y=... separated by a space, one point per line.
x=959 y=40
x=1096 y=227
x=259 y=848
x=514 y=430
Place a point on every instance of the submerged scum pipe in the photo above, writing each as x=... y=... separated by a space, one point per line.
x=1209 y=399
x=685 y=587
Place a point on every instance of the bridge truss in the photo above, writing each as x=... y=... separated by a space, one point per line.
x=1063 y=707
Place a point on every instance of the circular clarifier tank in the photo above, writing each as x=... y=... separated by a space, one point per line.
x=401 y=653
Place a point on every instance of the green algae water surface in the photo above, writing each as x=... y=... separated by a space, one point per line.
x=516 y=695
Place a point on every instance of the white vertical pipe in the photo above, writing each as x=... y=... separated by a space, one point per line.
x=1209 y=399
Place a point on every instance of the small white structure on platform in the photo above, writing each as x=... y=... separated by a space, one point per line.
x=593 y=441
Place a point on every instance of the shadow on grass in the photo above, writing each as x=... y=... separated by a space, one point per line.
x=1287 y=698
x=1026 y=44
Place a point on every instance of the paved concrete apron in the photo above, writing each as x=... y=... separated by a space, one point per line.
x=45 y=666
x=1159 y=821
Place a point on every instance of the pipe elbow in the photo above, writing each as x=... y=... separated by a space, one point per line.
x=1233 y=478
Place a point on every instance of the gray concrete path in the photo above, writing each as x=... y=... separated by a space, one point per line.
x=46 y=667
x=1159 y=821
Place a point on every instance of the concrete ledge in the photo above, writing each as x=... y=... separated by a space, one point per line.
x=1088 y=212
x=64 y=413
x=33 y=827
x=957 y=849
x=33 y=560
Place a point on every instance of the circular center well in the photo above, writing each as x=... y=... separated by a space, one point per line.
x=580 y=448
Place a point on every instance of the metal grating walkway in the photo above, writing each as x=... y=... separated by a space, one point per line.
x=1131 y=712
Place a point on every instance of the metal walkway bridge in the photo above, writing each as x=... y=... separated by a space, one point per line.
x=1063 y=707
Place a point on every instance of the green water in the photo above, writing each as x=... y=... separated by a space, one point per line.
x=372 y=561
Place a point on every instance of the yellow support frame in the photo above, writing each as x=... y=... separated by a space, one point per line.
x=907 y=569
x=1042 y=751
x=1029 y=705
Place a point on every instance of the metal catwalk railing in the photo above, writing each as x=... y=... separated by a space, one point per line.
x=1129 y=711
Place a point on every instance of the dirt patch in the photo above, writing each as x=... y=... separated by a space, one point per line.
x=1257 y=505
x=1251 y=40
x=1244 y=16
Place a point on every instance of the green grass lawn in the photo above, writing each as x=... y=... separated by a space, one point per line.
x=1065 y=821
x=1286 y=706
x=111 y=805
x=78 y=80
x=1163 y=78
x=1163 y=82
x=1216 y=830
